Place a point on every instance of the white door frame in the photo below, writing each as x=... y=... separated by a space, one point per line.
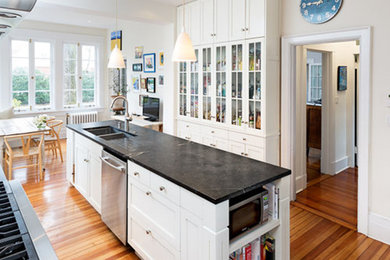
x=288 y=101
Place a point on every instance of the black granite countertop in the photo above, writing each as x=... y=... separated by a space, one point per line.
x=213 y=174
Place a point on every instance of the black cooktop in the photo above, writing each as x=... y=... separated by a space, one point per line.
x=15 y=242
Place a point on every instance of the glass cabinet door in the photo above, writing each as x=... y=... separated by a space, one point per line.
x=183 y=89
x=206 y=78
x=220 y=84
x=254 y=85
x=237 y=82
x=194 y=97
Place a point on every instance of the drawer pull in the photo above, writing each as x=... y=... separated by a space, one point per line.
x=244 y=139
x=162 y=188
x=136 y=174
x=148 y=193
x=148 y=232
x=213 y=145
x=187 y=126
x=242 y=153
x=212 y=132
x=85 y=160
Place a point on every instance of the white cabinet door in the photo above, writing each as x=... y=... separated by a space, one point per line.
x=255 y=152
x=222 y=25
x=237 y=19
x=194 y=24
x=191 y=237
x=96 y=182
x=255 y=18
x=82 y=170
x=70 y=155
x=207 y=21
x=237 y=148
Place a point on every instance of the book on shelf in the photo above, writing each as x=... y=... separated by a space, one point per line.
x=273 y=194
x=268 y=247
x=262 y=248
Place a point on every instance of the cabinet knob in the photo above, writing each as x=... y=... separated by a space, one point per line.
x=212 y=116
x=212 y=132
x=162 y=188
x=136 y=173
x=213 y=145
x=243 y=29
x=247 y=29
x=242 y=153
x=187 y=126
x=148 y=232
x=246 y=154
x=244 y=139
x=148 y=193
x=188 y=138
x=85 y=160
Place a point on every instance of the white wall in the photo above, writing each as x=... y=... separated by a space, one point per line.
x=354 y=14
x=341 y=105
x=155 y=39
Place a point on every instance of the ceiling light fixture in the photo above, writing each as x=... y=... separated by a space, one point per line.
x=116 y=58
x=183 y=51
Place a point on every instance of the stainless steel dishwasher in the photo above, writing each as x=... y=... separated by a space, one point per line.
x=114 y=194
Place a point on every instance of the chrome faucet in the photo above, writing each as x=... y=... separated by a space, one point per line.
x=127 y=116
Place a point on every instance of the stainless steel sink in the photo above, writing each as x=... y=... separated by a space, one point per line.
x=113 y=136
x=102 y=130
x=109 y=133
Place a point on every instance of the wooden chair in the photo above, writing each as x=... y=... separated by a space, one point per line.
x=52 y=141
x=27 y=151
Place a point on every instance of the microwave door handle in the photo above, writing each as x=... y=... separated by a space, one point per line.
x=119 y=168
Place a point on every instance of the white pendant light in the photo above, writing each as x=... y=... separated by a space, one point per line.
x=116 y=58
x=184 y=51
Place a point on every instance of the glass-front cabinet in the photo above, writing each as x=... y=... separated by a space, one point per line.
x=254 y=85
x=206 y=82
x=237 y=71
x=183 y=88
x=220 y=84
x=225 y=85
x=194 y=78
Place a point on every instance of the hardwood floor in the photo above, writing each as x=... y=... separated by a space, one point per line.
x=313 y=237
x=77 y=232
x=334 y=198
x=72 y=225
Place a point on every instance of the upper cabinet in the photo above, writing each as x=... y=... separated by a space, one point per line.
x=215 y=21
x=207 y=21
x=190 y=13
x=247 y=19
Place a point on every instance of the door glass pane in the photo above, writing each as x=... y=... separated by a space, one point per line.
x=20 y=74
x=42 y=74
x=194 y=110
x=254 y=85
x=237 y=83
x=183 y=89
x=88 y=83
x=206 y=81
x=221 y=84
x=70 y=74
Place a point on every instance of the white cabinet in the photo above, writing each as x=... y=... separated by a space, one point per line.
x=214 y=21
x=255 y=18
x=191 y=237
x=166 y=221
x=237 y=19
x=82 y=170
x=192 y=21
x=221 y=23
x=247 y=19
x=70 y=152
x=88 y=170
x=207 y=21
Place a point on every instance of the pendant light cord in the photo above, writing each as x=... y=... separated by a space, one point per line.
x=116 y=15
x=184 y=16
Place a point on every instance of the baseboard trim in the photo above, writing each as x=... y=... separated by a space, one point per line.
x=339 y=165
x=379 y=228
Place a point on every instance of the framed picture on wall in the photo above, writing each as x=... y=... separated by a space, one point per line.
x=137 y=67
x=161 y=55
x=138 y=52
x=150 y=63
x=342 y=78
x=151 y=85
x=136 y=83
x=143 y=83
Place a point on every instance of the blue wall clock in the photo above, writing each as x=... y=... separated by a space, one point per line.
x=319 y=11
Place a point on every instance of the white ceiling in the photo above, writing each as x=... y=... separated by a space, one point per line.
x=101 y=13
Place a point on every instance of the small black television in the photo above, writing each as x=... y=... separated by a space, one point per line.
x=151 y=108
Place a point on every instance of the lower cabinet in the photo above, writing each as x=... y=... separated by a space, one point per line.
x=88 y=170
x=167 y=222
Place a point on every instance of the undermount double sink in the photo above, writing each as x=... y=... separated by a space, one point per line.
x=109 y=133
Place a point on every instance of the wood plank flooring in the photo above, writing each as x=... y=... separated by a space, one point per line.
x=334 y=197
x=77 y=232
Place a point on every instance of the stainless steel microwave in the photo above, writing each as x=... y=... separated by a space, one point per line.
x=248 y=211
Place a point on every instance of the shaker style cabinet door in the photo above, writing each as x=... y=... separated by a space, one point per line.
x=96 y=182
x=222 y=25
x=191 y=237
x=237 y=19
x=194 y=24
x=255 y=18
x=207 y=21
x=82 y=170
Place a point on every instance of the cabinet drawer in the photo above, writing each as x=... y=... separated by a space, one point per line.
x=214 y=132
x=138 y=173
x=159 y=213
x=165 y=188
x=246 y=139
x=147 y=244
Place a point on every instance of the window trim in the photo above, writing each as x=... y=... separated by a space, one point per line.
x=58 y=39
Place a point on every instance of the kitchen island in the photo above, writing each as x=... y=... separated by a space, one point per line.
x=178 y=191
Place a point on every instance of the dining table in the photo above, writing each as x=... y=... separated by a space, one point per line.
x=20 y=126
